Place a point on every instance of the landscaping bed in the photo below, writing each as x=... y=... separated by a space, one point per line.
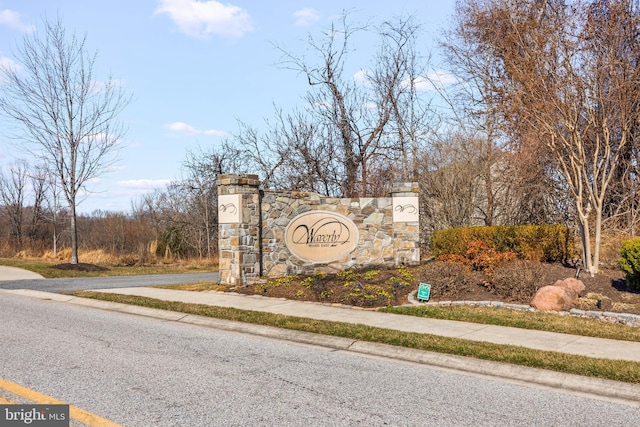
x=512 y=282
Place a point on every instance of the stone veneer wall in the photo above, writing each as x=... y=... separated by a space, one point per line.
x=255 y=247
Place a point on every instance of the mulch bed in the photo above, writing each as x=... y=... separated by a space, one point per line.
x=606 y=291
x=79 y=267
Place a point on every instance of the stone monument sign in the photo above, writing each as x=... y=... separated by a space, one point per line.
x=269 y=233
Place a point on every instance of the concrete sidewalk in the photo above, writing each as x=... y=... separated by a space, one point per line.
x=14 y=273
x=550 y=341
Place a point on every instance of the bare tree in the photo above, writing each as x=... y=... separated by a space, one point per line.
x=448 y=175
x=22 y=193
x=293 y=152
x=13 y=189
x=38 y=184
x=67 y=118
x=185 y=214
x=513 y=184
x=566 y=72
x=52 y=201
x=476 y=114
x=412 y=116
x=355 y=116
x=201 y=194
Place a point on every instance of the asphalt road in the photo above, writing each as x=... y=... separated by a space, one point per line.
x=66 y=285
x=140 y=371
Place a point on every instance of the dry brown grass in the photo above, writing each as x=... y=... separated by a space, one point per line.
x=610 y=247
x=110 y=265
x=98 y=257
x=103 y=258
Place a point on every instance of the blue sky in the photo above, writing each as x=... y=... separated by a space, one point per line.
x=195 y=68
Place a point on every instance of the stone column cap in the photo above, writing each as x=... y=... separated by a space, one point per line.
x=405 y=187
x=239 y=179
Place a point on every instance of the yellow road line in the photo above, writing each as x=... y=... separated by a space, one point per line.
x=77 y=414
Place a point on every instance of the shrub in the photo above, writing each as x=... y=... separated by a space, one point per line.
x=479 y=257
x=445 y=276
x=453 y=258
x=548 y=243
x=517 y=280
x=482 y=257
x=630 y=262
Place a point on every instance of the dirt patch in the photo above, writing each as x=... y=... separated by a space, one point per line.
x=513 y=282
x=79 y=267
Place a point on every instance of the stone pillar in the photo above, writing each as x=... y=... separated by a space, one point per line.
x=239 y=228
x=406 y=222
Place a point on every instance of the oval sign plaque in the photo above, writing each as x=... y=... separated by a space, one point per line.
x=321 y=236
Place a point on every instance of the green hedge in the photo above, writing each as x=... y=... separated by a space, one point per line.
x=548 y=243
x=630 y=262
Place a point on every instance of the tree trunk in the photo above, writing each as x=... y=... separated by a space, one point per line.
x=488 y=188
x=350 y=184
x=364 y=191
x=74 y=232
x=586 y=246
x=55 y=239
x=596 y=248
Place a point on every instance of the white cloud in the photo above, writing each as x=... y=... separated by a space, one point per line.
x=8 y=63
x=201 y=19
x=143 y=184
x=181 y=127
x=306 y=17
x=12 y=19
x=361 y=76
x=439 y=78
x=96 y=180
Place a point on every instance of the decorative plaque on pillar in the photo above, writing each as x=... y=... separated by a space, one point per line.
x=406 y=209
x=230 y=209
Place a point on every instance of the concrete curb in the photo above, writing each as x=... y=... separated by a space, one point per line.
x=620 y=392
